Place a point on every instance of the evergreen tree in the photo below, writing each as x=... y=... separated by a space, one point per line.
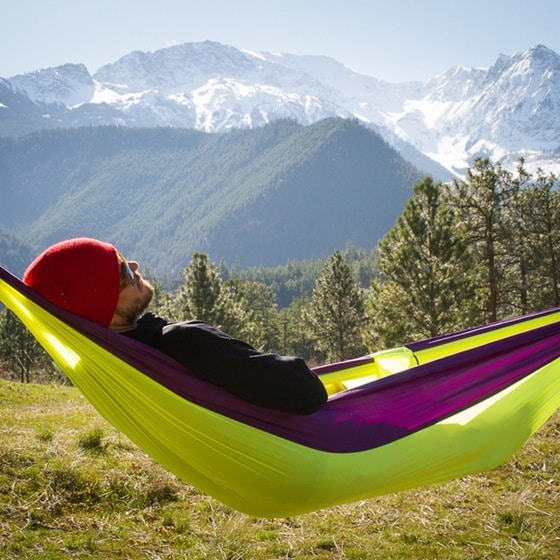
x=199 y=297
x=20 y=353
x=295 y=338
x=255 y=313
x=165 y=304
x=336 y=311
x=522 y=247
x=430 y=282
x=482 y=201
x=545 y=223
x=388 y=322
x=227 y=306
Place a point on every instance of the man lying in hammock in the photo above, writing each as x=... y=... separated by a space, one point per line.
x=92 y=279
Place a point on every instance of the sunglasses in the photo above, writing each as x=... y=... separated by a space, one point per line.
x=127 y=274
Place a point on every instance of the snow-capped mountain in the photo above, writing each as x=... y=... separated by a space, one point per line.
x=509 y=110
x=69 y=85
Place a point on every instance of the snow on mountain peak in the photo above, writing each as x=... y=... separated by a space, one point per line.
x=177 y=68
x=509 y=109
x=70 y=84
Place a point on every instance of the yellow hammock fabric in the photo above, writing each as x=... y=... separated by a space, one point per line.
x=397 y=419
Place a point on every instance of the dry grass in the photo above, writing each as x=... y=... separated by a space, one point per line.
x=72 y=487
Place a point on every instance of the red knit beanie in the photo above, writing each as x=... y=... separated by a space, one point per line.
x=81 y=275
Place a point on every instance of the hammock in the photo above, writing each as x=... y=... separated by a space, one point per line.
x=403 y=418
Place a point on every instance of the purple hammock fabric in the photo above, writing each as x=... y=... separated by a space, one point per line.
x=363 y=418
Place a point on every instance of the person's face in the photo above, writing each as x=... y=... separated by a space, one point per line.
x=135 y=295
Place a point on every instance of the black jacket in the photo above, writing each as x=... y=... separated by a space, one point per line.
x=268 y=380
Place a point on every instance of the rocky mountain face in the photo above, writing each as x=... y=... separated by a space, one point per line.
x=509 y=110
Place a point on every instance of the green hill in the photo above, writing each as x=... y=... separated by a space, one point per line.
x=14 y=255
x=250 y=197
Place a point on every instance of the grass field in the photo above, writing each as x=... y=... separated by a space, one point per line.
x=73 y=487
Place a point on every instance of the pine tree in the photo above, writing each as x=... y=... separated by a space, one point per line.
x=430 y=283
x=545 y=224
x=20 y=352
x=295 y=338
x=521 y=242
x=336 y=311
x=200 y=295
x=230 y=306
x=482 y=201
x=251 y=305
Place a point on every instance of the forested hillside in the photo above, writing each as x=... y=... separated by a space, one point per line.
x=251 y=197
x=14 y=255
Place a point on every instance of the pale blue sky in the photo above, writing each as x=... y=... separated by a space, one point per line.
x=394 y=40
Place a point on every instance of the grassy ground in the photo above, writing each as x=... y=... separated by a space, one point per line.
x=73 y=487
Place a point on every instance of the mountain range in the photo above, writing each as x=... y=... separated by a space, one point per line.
x=504 y=112
x=282 y=191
